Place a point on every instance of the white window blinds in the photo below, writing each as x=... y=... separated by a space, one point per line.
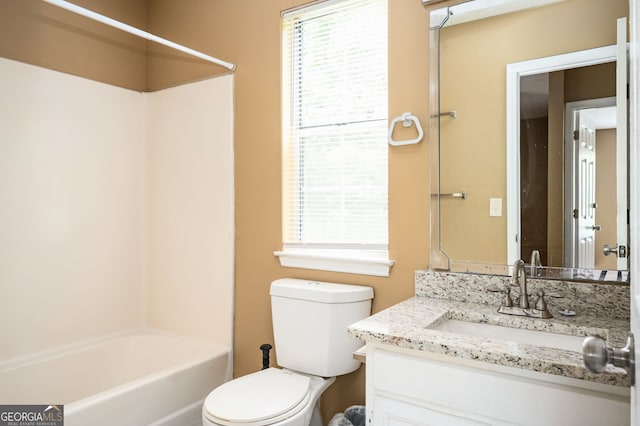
x=334 y=126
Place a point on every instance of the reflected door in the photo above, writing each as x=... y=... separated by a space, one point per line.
x=585 y=207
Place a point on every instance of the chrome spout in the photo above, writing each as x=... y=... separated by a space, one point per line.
x=520 y=279
x=535 y=263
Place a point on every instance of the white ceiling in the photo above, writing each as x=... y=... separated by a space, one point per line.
x=605 y=118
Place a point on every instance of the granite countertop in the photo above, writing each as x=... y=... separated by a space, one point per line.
x=409 y=325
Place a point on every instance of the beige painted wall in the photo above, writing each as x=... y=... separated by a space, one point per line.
x=555 y=220
x=606 y=196
x=38 y=33
x=191 y=209
x=473 y=60
x=74 y=217
x=580 y=82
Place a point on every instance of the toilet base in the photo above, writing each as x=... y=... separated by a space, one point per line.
x=316 y=417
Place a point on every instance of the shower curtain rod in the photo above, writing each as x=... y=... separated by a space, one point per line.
x=135 y=31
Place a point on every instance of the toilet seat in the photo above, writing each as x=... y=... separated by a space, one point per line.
x=258 y=399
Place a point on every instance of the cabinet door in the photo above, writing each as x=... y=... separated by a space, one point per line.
x=394 y=412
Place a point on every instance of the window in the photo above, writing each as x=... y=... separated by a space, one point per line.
x=334 y=131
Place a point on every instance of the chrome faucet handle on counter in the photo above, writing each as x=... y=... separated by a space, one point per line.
x=506 y=300
x=541 y=306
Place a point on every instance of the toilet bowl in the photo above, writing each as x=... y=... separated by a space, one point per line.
x=310 y=320
x=269 y=397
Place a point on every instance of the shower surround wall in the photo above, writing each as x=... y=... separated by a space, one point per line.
x=191 y=230
x=116 y=209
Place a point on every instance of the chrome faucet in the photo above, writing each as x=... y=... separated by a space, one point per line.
x=535 y=263
x=519 y=279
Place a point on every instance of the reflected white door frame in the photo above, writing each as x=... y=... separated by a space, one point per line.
x=515 y=71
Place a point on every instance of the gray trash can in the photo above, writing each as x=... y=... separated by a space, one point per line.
x=352 y=416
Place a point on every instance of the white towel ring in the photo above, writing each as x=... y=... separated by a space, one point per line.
x=407 y=120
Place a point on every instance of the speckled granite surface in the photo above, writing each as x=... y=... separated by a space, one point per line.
x=440 y=296
x=600 y=300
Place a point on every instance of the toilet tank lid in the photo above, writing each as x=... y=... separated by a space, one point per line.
x=317 y=291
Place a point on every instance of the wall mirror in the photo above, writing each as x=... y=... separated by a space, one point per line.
x=528 y=121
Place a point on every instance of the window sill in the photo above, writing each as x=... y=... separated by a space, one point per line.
x=358 y=262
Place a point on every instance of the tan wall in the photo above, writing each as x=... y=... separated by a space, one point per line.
x=38 y=33
x=606 y=196
x=596 y=81
x=474 y=57
x=203 y=25
x=555 y=220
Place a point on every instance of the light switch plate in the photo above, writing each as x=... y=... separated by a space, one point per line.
x=495 y=207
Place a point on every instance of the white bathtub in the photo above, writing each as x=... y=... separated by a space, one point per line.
x=141 y=378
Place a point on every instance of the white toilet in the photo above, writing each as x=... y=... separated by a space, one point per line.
x=310 y=322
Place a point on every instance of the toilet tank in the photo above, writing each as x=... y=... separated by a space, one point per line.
x=310 y=320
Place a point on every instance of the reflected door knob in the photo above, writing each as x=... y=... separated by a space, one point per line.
x=597 y=355
x=620 y=251
x=596 y=227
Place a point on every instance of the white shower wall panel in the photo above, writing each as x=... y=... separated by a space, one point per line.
x=191 y=225
x=116 y=209
x=73 y=213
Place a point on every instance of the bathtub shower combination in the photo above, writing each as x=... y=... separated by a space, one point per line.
x=82 y=329
x=120 y=229
x=142 y=378
x=76 y=286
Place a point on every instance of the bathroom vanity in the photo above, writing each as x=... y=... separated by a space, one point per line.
x=447 y=356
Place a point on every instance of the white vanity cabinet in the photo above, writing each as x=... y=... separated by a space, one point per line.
x=410 y=387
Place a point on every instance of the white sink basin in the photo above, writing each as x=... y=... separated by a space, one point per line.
x=518 y=335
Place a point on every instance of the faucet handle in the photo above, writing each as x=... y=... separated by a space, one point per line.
x=506 y=300
x=541 y=305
